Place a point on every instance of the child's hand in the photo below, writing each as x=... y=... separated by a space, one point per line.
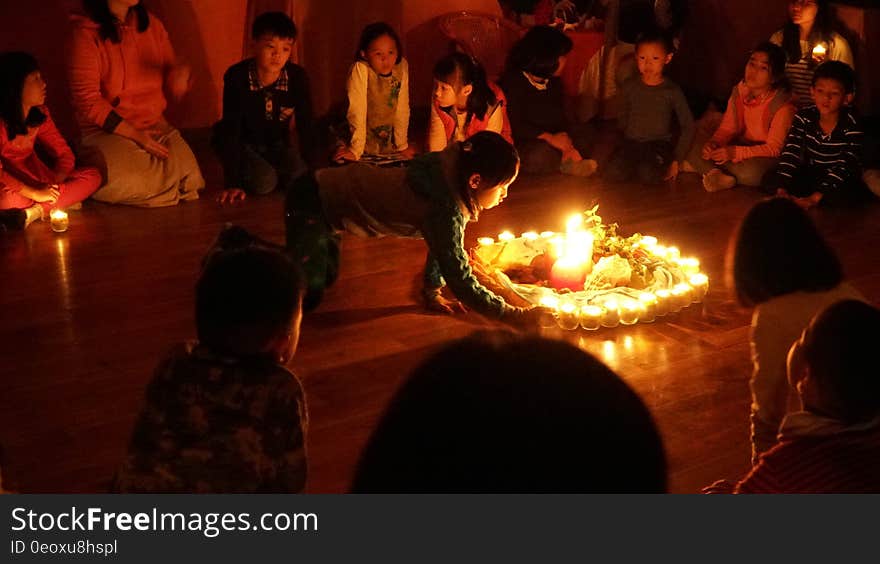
x=720 y=487
x=672 y=171
x=47 y=194
x=408 y=153
x=146 y=138
x=723 y=154
x=808 y=201
x=344 y=154
x=708 y=148
x=178 y=81
x=435 y=301
x=231 y=196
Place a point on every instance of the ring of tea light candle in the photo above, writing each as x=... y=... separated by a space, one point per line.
x=486 y=241
x=664 y=305
x=700 y=284
x=567 y=316
x=629 y=312
x=649 y=303
x=59 y=220
x=591 y=317
x=611 y=315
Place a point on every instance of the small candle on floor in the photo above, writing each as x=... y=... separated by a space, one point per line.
x=591 y=317
x=649 y=302
x=567 y=318
x=611 y=317
x=59 y=220
x=629 y=312
x=700 y=284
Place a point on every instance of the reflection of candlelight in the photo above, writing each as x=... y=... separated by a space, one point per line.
x=59 y=220
x=567 y=318
x=649 y=302
x=700 y=284
x=591 y=317
x=629 y=312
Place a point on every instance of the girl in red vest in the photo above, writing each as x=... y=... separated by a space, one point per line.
x=464 y=103
x=747 y=144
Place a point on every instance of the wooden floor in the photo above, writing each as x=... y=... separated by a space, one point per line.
x=86 y=314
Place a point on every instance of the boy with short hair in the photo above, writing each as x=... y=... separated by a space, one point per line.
x=265 y=99
x=224 y=415
x=821 y=160
x=648 y=103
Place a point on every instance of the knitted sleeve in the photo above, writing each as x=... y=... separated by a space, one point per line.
x=357 y=107
x=401 y=119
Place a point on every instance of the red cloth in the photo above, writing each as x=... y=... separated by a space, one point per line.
x=20 y=164
x=586 y=44
x=125 y=77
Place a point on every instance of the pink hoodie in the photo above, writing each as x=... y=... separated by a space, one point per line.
x=125 y=77
x=757 y=128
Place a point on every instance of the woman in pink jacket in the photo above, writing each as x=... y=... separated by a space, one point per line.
x=30 y=187
x=747 y=144
x=120 y=61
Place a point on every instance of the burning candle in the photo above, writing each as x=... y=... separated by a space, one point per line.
x=591 y=317
x=629 y=312
x=486 y=241
x=547 y=234
x=819 y=52
x=529 y=236
x=611 y=316
x=568 y=272
x=681 y=296
x=58 y=220
x=673 y=254
x=648 y=241
x=664 y=299
x=649 y=303
x=506 y=236
x=700 y=284
x=547 y=318
x=689 y=265
x=567 y=317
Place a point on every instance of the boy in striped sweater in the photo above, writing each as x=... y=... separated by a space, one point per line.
x=821 y=160
x=833 y=444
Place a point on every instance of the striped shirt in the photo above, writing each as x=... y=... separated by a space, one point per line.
x=834 y=158
x=846 y=460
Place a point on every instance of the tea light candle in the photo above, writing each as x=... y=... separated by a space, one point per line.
x=664 y=299
x=611 y=316
x=629 y=312
x=486 y=241
x=681 y=296
x=567 y=317
x=700 y=284
x=59 y=220
x=689 y=265
x=649 y=303
x=673 y=254
x=547 y=234
x=591 y=317
x=547 y=318
x=506 y=236
x=648 y=241
x=529 y=236
x=819 y=52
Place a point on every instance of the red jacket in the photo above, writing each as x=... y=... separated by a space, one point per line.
x=19 y=162
x=476 y=125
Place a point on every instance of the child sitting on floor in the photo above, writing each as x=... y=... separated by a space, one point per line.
x=224 y=415
x=747 y=144
x=648 y=103
x=833 y=444
x=263 y=97
x=545 y=139
x=434 y=198
x=821 y=160
x=30 y=187
x=464 y=103
x=378 y=97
